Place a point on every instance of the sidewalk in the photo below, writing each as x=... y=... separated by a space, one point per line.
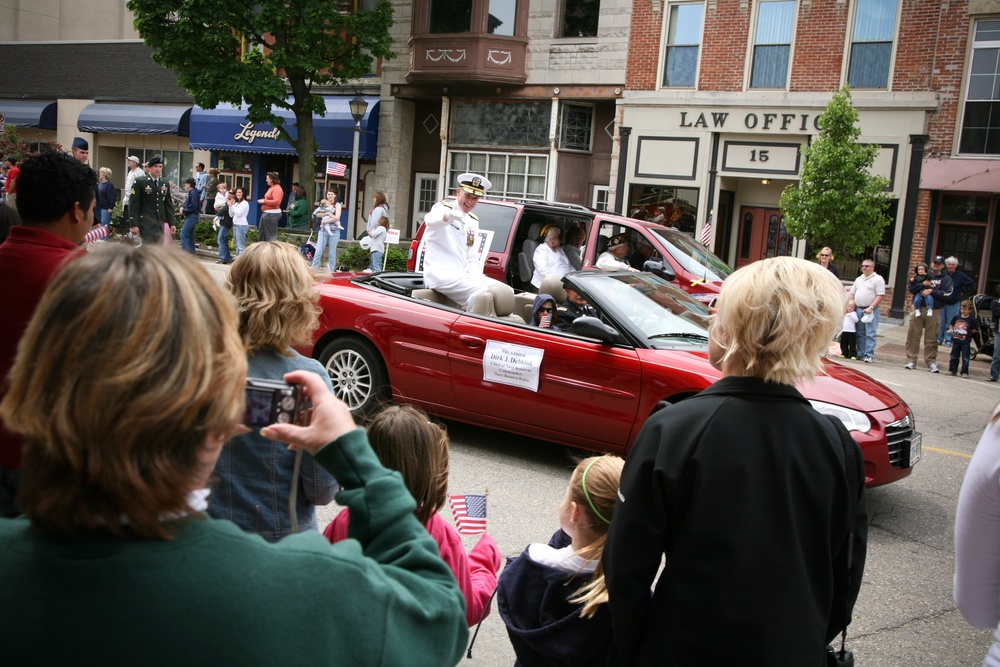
x=890 y=348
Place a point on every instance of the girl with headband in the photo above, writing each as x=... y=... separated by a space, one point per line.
x=552 y=597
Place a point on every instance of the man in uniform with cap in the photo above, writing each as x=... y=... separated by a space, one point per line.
x=135 y=172
x=451 y=254
x=81 y=150
x=613 y=259
x=150 y=204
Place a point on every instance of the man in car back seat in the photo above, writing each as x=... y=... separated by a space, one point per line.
x=451 y=252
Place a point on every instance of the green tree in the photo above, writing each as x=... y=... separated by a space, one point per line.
x=838 y=201
x=266 y=53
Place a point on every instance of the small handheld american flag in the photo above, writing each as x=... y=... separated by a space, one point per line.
x=335 y=168
x=706 y=231
x=469 y=511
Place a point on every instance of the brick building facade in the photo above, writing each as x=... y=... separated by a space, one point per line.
x=721 y=93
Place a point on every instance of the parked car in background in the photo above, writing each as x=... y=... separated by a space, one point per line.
x=517 y=227
x=384 y=336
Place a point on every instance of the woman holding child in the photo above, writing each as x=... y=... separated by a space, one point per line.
x=328 y=212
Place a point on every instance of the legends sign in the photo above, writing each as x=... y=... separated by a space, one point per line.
x=752 y=121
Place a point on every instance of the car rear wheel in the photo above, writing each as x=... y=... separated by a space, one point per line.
x=357 y=373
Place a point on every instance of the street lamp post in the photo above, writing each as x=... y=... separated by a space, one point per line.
x=358 y=108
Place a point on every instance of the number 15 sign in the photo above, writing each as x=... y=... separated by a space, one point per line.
x=759 y=157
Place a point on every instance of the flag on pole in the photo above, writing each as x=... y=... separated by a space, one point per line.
x=706 y=231
x=335 y=168
x=470 y=513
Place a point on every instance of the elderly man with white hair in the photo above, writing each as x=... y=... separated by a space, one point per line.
x=613 y=259
x=963 y=288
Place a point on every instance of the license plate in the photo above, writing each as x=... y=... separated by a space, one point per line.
x=915 y=450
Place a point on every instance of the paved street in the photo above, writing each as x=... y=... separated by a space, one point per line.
x=905 y=615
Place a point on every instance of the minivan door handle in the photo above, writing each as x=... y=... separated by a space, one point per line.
x=493 y=261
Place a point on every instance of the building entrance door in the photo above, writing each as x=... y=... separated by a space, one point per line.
x=965 y=243
x=762 y=234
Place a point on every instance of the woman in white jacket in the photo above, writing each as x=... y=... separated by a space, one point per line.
x=239 y=211
x=549 y=257
x=977 y=540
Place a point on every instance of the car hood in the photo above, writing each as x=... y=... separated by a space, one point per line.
x=837 y=384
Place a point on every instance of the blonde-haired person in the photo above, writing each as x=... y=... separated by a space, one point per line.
x=744 y=488
x=107 y=197
x=405 y=440
x=125 y=401
x=552 y=597
x=255 y=475
x=825 y=258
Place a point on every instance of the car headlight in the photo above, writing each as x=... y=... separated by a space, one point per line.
x=854 y=420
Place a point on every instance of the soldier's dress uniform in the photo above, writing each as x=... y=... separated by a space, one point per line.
x=150 y=205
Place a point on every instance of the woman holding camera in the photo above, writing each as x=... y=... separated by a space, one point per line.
x=129 y=381
x=257 y=484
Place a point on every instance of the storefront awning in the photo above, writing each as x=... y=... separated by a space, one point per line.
x=136 y=119
x=226 y=128
x=38 y=115
x=959 y=174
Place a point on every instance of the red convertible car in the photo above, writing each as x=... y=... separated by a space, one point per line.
x=384 y=336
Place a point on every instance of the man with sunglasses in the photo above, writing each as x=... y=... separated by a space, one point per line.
x=574 y=307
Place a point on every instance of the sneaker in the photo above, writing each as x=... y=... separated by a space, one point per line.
x=933 y=368
x=910 y=366
x=869 y=360
x=953 y=373
x=992 y=380
x=916 y=313
x=930 y=311
x=854 y=358
x=965 y=375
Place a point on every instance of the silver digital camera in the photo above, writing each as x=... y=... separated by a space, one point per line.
x=274 y=402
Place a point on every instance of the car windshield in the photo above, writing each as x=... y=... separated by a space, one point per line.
x=693 y=256
x=663 y=314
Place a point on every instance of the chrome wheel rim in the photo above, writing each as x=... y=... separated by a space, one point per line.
x=351 y=377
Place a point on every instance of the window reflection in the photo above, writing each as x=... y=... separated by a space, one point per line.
x=501 y=18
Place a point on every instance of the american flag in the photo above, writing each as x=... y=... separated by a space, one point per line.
x=335 y=168
x=95 y=234
x=470 y=513
x=706 y=231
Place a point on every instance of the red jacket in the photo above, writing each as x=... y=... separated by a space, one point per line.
x=11 y=185
x=29 y=258
x=272 y=198
x=476 y=572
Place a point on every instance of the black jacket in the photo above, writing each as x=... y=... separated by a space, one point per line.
x=744 y=488
x=545 y=629
x=964 y=288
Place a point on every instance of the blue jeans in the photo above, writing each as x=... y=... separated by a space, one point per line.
x=224 y=254
x=322 y=241
x=948 y=311
x=866 y=334
x=104 y=217
x=919 y=301
x=187 y=232
x=995 y=366
x=376 y=264
x=960 y=348
x=240 y=237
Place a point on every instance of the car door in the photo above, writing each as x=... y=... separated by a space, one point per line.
x=587 y=393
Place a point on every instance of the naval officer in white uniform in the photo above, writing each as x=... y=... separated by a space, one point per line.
x=451 y=260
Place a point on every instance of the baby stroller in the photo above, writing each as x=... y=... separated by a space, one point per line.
x=982 y=340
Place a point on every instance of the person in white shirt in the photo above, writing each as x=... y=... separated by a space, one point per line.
x=550 y=258
x=868 y=292
x=613 y=259
x=135 y=170
x=451 y=252
x=239 y=211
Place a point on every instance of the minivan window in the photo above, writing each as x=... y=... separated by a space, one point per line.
x=497 y=219
x=694 y=257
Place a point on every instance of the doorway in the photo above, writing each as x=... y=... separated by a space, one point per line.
x=964 y=242
x=762 y=234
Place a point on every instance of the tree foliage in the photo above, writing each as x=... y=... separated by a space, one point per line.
x=265 y=53
x=838 y=202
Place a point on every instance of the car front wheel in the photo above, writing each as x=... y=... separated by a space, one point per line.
x=357 y=374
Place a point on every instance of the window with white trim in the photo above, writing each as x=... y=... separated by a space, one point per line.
x=772 y=44
x=602 y=195
x=684 y=25
x=871 y=43
x=981 y=116
x=513 y=175
x=576 y=129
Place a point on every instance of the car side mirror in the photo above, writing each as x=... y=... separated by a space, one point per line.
x=658 y=269
x=591 y=327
